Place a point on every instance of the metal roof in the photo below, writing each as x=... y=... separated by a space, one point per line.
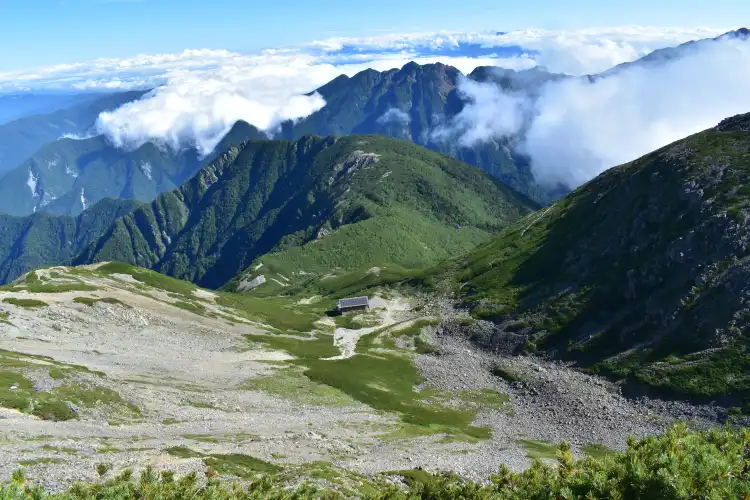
x=354 y=302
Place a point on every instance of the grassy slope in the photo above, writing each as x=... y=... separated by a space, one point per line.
x=408 y=206
x=643 y=272
x=38 y=240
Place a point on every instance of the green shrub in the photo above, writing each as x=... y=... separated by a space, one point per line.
x=25 y=303
x=680 y=464
x=506 y=373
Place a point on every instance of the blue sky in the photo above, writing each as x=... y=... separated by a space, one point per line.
x=44 y=32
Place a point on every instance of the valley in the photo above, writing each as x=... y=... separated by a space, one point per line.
x=79 y=349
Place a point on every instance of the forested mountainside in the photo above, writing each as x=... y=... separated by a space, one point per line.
x=40 y=240
x=353 y=201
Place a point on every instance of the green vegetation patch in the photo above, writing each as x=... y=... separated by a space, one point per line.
x=415 y=329
x=191 y=306
x=149 y=278
x=25 y=303
x=17 y=392
x=386 y=383
x=357 y=322
x=243 y=466
x=486 y=398
x=60 y=449
x=92 y=301
x=506 y=373
x=53 y=287
x=183 y=452
x=281 y=313
x=203 y=405
x=383 y=381
x=315 y=347
x=201 y=438
x=538 y=449
x=40 y=461
x=292 y=384
x=597 y=451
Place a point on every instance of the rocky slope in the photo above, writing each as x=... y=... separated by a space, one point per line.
x=353 y=202
x=642 y=273
x=115 y=365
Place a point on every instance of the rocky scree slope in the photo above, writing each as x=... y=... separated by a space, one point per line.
x=400 y=204
x=642 y=274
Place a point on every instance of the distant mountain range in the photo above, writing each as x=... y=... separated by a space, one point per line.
x=413 y=103
x=21 y=138
x=17 y=105
x=69 y=175
x=661 y=56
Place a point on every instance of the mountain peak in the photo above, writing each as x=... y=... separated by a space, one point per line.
x=742 y=34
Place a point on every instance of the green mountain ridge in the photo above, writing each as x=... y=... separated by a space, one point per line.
x=380 y=200
x=68 y=175
x=642 y=273
x=39 y=240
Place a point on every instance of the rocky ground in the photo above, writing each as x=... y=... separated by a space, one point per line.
x=186 y=374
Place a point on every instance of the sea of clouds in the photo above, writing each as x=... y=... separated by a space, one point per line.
x=574 y=129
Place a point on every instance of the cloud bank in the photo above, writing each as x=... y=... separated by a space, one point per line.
x=199 y=107
x=572 y=131
x=573 y=52
x=576 y=129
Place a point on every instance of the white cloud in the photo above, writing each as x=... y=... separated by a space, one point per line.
x=199 y=107
x=489 y=113
x=577 y=129
x=575 y=52
x=394 y=115
x=582 y=129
